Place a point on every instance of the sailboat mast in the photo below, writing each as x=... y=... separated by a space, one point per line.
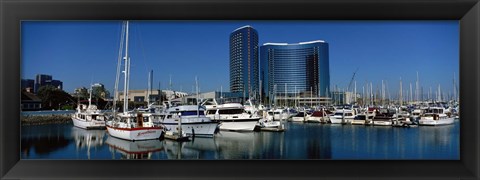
x=119 y=64
x=400 y=99
x=127 y=64
x=90 y=98
x=196 y=85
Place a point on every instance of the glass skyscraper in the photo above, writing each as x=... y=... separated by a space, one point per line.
x=289 y=69
x=244 y=61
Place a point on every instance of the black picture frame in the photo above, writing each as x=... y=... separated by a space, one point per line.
x=12 y=12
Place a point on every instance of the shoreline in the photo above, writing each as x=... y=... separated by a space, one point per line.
x=45 y=119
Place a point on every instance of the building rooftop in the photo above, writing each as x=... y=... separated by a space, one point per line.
x=247 y=26
x=300 y=43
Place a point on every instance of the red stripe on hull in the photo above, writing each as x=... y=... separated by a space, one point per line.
x=135 y=129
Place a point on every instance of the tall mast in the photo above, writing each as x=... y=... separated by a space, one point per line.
x=127 y=67
x=400 y=99
x=90 y=98
x=417 y=90
x=196 y=85
x=411 y=98
x=454 y=88
x=355 y=92
x=119 y=64
x=285 y=95
x=149 y=86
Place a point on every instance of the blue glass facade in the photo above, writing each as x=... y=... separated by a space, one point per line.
x=298 y=68
x=244 y=61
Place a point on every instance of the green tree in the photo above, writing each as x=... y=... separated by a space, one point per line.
x=53 y=98
x=99 y=95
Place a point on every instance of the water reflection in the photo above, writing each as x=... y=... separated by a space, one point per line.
x=133 y=149
x=40 y=141
x=85 y=140
x=299 y=141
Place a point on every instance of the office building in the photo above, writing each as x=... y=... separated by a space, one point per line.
x=290 y=70
x=43 y=80
x=244 y=61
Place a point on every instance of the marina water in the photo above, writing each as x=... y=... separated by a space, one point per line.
x=300 y=141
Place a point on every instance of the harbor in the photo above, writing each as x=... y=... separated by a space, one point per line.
x=299 y=141
x=284 y=100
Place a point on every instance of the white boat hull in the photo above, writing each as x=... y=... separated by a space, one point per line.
x=336 y=120
x=358 y=122
x=238 y=125
x=134 y=134
x=92 y=124
x=382 y=123
x=317 y=119
x=431 y=122
x=193 y=129
x=298 y=119
x=269 y=124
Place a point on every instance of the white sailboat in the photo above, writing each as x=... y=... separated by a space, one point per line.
x=128 y=125
x=88 y=117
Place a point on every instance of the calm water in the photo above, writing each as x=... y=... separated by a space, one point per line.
x=299 y=141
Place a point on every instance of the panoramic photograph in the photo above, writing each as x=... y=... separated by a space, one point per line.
x=240 y=90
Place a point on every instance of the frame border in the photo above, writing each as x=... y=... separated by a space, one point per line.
x=14 y=11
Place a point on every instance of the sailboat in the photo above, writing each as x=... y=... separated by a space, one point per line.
x=130 y=125
x=88 y=117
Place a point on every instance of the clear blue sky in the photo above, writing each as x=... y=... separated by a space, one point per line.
x=81 y=52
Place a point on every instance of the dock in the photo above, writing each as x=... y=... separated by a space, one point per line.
x=176 y=137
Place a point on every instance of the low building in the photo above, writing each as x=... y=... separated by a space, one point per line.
x=30 y=102
x=220 y=97
x=141 y=95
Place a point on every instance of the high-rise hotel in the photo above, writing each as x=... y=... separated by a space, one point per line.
x=287 y=70
x=244 y=61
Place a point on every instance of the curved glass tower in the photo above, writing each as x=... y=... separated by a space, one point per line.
x=289 y=69
x=244 y=61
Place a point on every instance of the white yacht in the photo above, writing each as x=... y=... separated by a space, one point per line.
x=342 y=116
x=129 y=125
x=232 y=117
x=384 y=117
x=277 y=115
x=192 y=119
x=320 y=116
x=362 y=119
x=435 y=116
x=300 y=117
x=88 y=117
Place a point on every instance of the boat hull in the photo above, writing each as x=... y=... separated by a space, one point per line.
x=339 y=120
x=193 y=129
x=135 y=134
x=269 y=124
x=358 y=122
x=382 y=123
x=93 y=124
x=430 y=122
x=238 y=125
x=298 y=119
x=316 y=119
